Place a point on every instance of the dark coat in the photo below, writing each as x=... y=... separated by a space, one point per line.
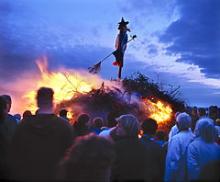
x=155 y=157
x=38 y=145
x=130 y=160
x=7 y=130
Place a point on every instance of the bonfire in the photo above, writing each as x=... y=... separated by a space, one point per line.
x=81 y=92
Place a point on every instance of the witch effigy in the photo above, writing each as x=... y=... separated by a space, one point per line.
x=120 y=47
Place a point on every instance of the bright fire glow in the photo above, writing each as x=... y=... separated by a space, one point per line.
x=65 y=83
x=68 y=84
x=158 y=111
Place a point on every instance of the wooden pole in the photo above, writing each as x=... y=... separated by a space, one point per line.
x=119 y=72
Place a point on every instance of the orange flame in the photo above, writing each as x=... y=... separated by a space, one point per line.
x=159 y=111
x=65 y=83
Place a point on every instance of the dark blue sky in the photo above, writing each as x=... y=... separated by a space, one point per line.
x=178 y=41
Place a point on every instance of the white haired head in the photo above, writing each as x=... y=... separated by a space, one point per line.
x=183 y=121
x=205 y=129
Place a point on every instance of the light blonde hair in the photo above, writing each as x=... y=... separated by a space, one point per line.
x=130 y=124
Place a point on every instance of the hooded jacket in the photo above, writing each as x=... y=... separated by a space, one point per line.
x=203 y=150
x=199 y=154
x=176 y=156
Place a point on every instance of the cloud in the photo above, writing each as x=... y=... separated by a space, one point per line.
x=26 y=35
x=195 y=35
x=18 y=59
x=152 y=49
x=148 y=7
x=29 y=30
x=176 y=50
x=148 y=15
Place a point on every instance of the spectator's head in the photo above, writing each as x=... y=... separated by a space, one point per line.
x=160 y=135
x=201 y=112
x=81 y=125
x=8 y=101
x=3 y=108
x=97 y=122
x=27 y=114
x=111 y=120
x=89 y=159
x=149 y=126
x=213 y=112
x=188 y=110
x=63 y=113
x=45 y=98
x=83 y=119
x=205 y=129
x=183 y=121
x=217 y=122
x=128 y=126
x=194 y=112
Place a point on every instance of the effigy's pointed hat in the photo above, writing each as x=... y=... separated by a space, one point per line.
x=123 y=22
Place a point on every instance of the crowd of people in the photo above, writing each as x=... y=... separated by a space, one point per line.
x=45 y=146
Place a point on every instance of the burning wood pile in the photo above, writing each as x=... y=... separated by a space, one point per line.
x=81 y=92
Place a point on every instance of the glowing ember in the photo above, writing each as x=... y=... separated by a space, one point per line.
x=158 y=110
